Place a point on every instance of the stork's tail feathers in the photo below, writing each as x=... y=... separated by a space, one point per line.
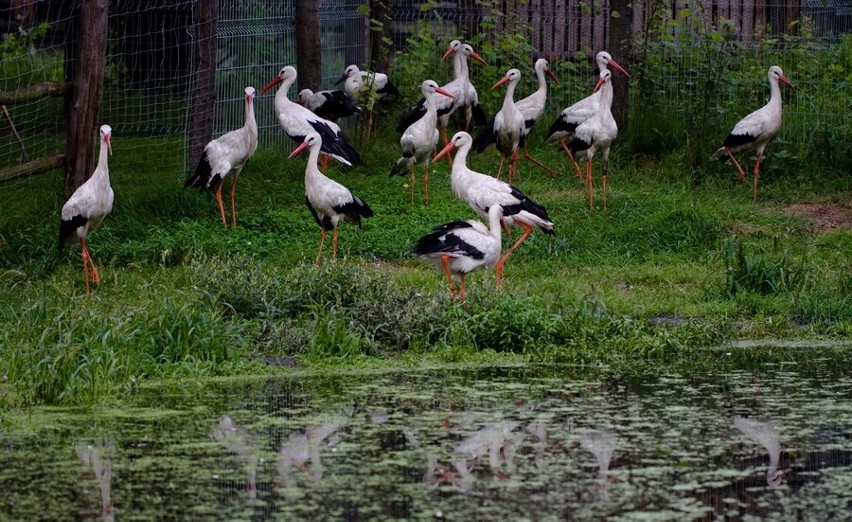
x=486 y=137
x=413 y=115
x=479 y=116
x=67 y=228
x=203 y=173
x=390 y=89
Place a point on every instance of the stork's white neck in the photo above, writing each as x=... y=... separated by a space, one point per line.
x=606 y=96
x=509 y=99
x=460 y=65
x=312 y=171
x=774 y=92
x=460 y=161
x=542 y=81
x=251 y=122
x=495 y=215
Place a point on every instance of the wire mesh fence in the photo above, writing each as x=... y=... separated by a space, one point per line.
x=149 y=77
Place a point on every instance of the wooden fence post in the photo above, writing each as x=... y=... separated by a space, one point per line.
x=90 y=54
x=308 y=50
x=204 y=98
x=620 y=38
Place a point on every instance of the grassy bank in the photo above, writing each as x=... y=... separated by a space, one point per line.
x=669 y=269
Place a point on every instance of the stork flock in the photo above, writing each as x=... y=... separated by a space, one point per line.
x=583 y=130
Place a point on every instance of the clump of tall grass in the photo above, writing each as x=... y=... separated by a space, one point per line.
x=762 y=271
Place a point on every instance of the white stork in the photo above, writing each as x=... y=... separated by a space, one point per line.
x=298 y=122
x=227 y=153
x=87 y=207
x=482 y=192
x=596 y=134
x=460 y=247
x=532 y=106
x=331 y=105
x=329 y=201
x=506 y=127
x=464 y=94
x=757 y=129
x=765 y=434
x=571 y=117
x=369 y=82
x=419 y=139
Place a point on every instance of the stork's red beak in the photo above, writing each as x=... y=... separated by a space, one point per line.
x=552 y=75
x=302 y=146
x=478 y=58
x=502 y=81
x=446 y=150
x=275 y=81
x=440 y=90
x=618 y=67
x=108 y=144
x=447 y=53
x=785 y=81
x=598 y=85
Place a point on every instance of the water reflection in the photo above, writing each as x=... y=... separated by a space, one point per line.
x=765 y=434
x=301 y=451
x=99 y=458
x=240 y=442
x=467 y=445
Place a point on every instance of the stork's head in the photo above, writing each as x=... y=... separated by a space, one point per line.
x=460 y=139
x=604 y=60
x=286 y=74
x=349 y=72
x=543 y=65
x=512 y=75
x=455 y=46
x=106 y=132
x=775 y=73
x=469 y=52
x=429 y=87
x=304 y=94
x=605 y=76
x=312 y=140
x=249 y=95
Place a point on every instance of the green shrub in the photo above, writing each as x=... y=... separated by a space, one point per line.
x=763 y=272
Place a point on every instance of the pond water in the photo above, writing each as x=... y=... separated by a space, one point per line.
x=536 y=443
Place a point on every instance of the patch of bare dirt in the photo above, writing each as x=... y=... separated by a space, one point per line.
x=824 y=217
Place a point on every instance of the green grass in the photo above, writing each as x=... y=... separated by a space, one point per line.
x=645 y=286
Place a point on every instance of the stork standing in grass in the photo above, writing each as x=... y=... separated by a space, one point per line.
x=366 y=87
x=298 y=122
x=596 y=134
x=87 y=207
x=571 y=117
x=460 y=247
x=329 y=201
x=419 y=140
x=331 y=105
x=227 y=154
x=757 y=129
x=465 y=100
x=532 y=106
x=506 y=127
x=482 y=192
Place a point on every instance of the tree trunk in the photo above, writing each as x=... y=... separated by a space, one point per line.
x=620 y=37
x=380 y=11
x=308 y=51
x=90 y=57
x=201 y=117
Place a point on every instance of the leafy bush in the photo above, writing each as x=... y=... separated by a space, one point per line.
x=763 y=272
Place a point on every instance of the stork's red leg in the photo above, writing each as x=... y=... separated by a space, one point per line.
x=540 y=164
x=85 y=256
x=445 y=263
x=500 y=168
x=426 y=182
x=513 y=166
x=461 y=285
x=506 y=228
x=604 y=184
x=325 y=160
x=221 y=206
x=233 y=200
x=334 y=244
x=446 y=141
x=322 y=242
x=754 y=184
x=501 y=263
x=576 y=165
x=737 y=163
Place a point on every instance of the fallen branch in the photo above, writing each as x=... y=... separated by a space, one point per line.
x=32 y=168
x=15 y=132
x=34 y=92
